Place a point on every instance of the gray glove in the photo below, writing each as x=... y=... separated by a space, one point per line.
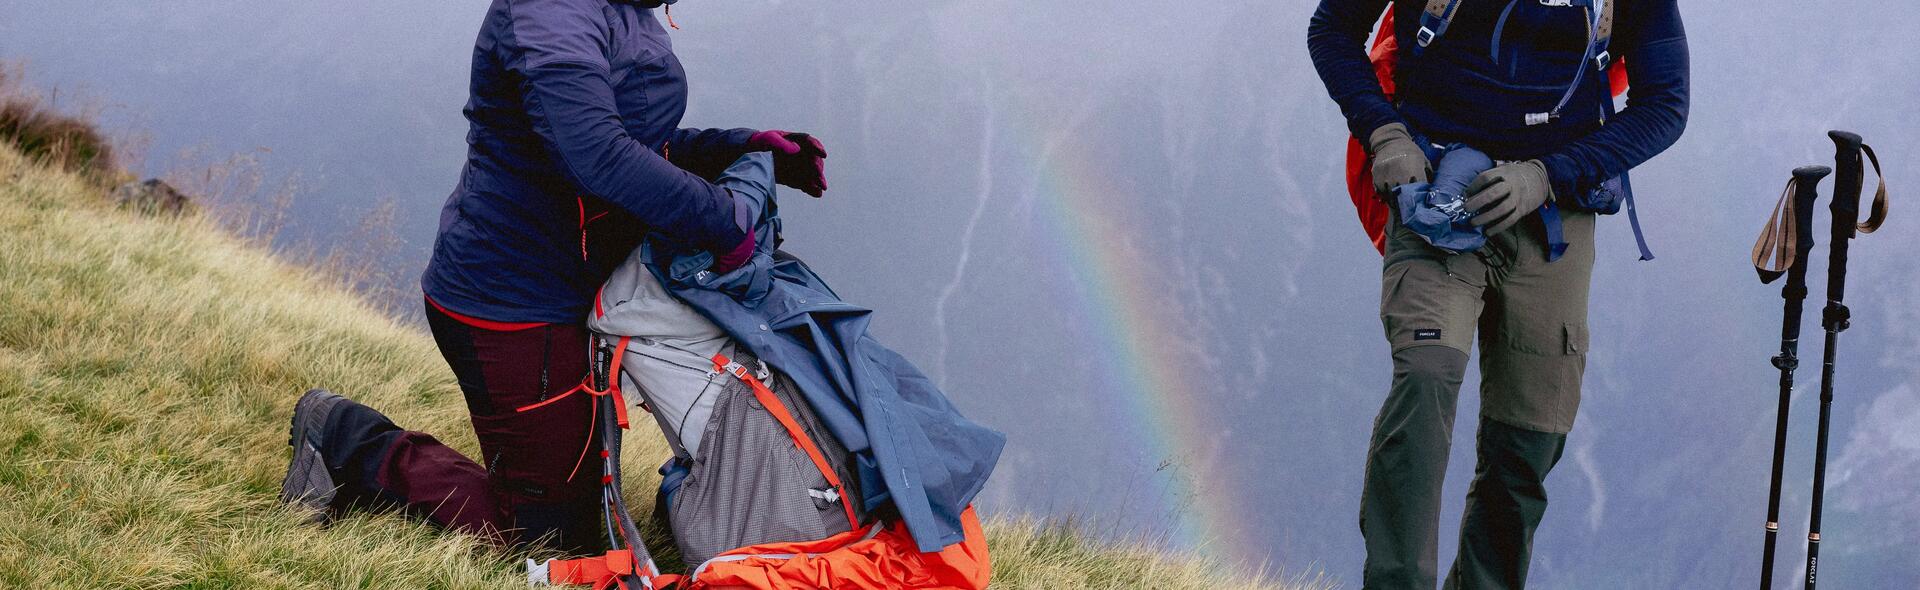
x=1505 y=194
x=1397 y=159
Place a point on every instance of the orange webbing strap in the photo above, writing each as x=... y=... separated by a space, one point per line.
x=1878 y=213
x=1774 y=251
x=586 y=385
x=779 y=411
x=613 y=386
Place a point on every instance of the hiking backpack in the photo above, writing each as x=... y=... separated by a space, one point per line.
x=758 y=493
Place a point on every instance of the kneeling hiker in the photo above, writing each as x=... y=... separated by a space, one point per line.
x=574 y=152
x=1527 y=83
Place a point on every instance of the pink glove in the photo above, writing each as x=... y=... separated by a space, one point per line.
x=799 y=160
x=741 y=253
x=739 y=256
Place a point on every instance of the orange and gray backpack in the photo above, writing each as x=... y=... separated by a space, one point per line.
x=758 y=494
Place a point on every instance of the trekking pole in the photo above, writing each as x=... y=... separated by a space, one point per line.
x=1834 y=318
x=1782 y=249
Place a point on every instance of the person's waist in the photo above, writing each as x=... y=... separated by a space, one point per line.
x=1501 y=144
x=482 y=323
x=508 y=294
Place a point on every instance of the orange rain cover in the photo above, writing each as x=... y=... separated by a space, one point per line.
x=886 y=561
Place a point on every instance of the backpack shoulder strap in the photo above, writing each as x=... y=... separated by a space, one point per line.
x=1603 y=35
x=1433 y=22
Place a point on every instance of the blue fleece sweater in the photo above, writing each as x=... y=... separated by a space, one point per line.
x=1502 y=59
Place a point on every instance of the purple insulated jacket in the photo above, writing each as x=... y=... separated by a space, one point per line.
x=573 y=151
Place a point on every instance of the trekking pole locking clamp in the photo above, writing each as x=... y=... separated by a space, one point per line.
x=1836 y=317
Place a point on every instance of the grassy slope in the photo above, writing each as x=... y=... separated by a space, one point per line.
x=147 y=369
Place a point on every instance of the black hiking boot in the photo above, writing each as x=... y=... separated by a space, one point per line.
x=308 y=483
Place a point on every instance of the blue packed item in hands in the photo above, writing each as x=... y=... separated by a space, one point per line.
x=1436 y=211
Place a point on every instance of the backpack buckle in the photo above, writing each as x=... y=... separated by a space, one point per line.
x=1601 y=61
x=1424 y=37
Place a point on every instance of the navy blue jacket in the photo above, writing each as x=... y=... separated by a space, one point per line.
x=573 y=151
x=1470 y=87
x=914 y=449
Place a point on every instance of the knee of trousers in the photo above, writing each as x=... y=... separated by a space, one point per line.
x=1431 y=368
x=1519 y=457
x=355 y=438
x=1417 y=418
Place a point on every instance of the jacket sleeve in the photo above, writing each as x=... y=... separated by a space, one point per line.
x=707 y=152
x=1337 y=41
x=1656 y=110
x=569 y=99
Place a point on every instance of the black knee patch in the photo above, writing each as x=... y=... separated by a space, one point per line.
x=354 y=440
x=1433 y=362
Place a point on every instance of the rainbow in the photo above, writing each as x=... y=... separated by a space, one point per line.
x=1143 y=346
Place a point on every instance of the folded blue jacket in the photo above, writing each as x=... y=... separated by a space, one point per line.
x=1437 y=211
x=914 y=449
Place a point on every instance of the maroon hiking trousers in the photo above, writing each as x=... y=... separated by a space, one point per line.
x=525 y=487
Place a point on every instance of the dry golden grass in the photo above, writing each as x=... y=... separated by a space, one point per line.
x=147 y=370
x=64 y=140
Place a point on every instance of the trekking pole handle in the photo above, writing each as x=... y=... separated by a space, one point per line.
x=1848 y=173
x=1806 y=182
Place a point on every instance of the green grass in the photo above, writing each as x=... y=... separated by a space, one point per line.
x=147 y=371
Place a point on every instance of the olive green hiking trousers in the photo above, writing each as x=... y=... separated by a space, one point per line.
x=1531 y=319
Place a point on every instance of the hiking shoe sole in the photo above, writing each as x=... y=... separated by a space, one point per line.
x=308 y=483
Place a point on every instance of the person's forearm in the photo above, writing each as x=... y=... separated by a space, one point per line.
x=707 y=152
x=571 y=105
x=1337 y=43
x=1653 y=120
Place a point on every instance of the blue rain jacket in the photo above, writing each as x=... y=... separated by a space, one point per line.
x=1436 y=211
x=573 y=153
x=914 y=449
x=1500 y=59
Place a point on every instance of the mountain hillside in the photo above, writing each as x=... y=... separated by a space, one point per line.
x=148 y=366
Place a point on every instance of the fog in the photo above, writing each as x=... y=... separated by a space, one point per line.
x=1118 y=232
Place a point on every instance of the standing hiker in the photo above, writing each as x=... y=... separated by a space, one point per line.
x=574 y=151
x=1522 y=81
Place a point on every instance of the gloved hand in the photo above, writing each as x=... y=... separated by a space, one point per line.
x=1505 y=194
x=799 y=161
x=740 y=255
x=742 y=252
x=1397 y=159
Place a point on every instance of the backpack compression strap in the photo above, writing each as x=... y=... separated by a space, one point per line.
x=785 y=418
